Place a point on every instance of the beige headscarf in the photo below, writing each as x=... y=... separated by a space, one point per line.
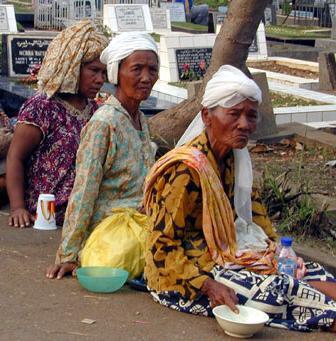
x=77 y=44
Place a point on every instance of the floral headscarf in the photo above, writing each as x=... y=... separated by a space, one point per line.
x=77 y=44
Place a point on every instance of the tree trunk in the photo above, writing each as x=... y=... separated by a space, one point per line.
x=231 y=47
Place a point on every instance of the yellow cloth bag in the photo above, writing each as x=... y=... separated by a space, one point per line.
x=119 y=242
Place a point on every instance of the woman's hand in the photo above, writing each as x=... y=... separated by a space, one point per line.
x=219 y=294
x=20 y=217
x=60 y=270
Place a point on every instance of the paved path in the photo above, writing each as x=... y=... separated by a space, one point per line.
x=35 y=308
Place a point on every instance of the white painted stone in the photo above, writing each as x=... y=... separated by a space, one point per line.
x=314 y=116
x=186 y=42
x=7 y=19
x=329 y=116
x=127 y=18
x=177 y=10
x=301 y=118
x=281 y=119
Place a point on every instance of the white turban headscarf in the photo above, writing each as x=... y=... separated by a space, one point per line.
x=228 y=87
x=121 y=47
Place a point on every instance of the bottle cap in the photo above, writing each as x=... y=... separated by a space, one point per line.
x=286 y=241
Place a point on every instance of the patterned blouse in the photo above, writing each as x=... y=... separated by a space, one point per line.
x=51 y=166
x=112 y=162
x=178 y=258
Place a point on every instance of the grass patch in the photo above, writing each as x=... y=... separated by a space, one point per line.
x=289 y=203
x=189 y=26
x=296 y=32
x=156 y=37
x=179 y=84
x=283 y=100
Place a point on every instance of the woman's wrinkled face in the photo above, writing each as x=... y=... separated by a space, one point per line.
x=231 y=127
x=138 y=74
x=92 y=78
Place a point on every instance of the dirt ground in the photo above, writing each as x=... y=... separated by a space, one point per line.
x=35 y=308
x=274 y=67
x=306 y=164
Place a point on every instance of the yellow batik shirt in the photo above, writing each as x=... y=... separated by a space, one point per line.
x=177 y=256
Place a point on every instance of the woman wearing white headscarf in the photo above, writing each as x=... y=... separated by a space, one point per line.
x=115 y=152
x=211 y=241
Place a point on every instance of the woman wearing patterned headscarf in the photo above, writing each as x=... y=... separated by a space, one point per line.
x=115 y=152
x=41 y=158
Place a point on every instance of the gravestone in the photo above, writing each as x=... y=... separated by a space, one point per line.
x=199 y=15
x=196 y=60
x=270 y=15
x=327 y=71
x=177 y=11
x=7 y=19
x=160 y=19
x=333 y=27
x=219 y=21
x=222 y=9
x=21 y=51
x=215 y=21
x=127 y=18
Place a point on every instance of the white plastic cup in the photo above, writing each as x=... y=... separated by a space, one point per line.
x=45 y=213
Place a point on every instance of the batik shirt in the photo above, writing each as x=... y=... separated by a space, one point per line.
x=51 y=166
x=177 y=257
x=112 y=162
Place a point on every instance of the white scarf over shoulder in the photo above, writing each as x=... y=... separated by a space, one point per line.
x=227 y=88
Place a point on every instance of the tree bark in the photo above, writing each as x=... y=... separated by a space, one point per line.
x=231 y=47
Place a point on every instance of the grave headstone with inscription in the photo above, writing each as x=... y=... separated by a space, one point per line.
x=177 y=11
x=21 y=51
x=160 y=19
x=7 y=19
x=127 y=18
x=195 y=60
x=186 y=56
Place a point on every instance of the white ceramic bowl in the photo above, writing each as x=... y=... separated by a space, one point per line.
x=248 y=322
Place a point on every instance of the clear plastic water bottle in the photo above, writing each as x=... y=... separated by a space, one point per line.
x=287 y=258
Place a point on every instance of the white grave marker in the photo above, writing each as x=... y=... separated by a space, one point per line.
x=177 y=11
x=160 y=19
x=128 y=18
x=7 y=19
x=179 y=49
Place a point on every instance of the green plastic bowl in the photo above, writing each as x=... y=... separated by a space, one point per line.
x=101 y=278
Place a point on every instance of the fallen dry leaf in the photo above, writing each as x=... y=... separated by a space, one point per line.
x=88 y=321
x=260 y=148
x=299 y=146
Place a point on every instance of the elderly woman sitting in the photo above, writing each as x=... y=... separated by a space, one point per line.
x=115 y=152
x=211 y=241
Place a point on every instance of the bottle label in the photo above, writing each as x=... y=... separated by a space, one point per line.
x=287 y=267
